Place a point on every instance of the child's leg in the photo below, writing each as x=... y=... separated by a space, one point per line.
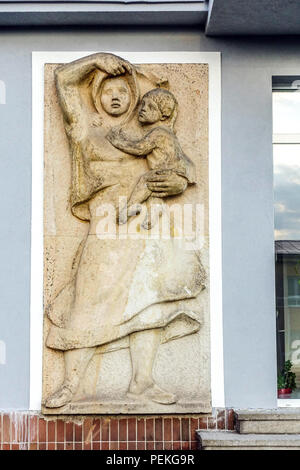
x=154 y=211
x=139 y=194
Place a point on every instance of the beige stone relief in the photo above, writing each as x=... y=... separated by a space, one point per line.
x=126 y=268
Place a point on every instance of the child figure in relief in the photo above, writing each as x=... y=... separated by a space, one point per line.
x=160 y=146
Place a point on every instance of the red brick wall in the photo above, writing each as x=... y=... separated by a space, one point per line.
x=25 y=430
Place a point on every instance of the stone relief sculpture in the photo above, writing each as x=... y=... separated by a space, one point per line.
x=124 y=293
x=157 y=115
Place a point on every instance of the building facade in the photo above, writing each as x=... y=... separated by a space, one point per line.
x=251 y=56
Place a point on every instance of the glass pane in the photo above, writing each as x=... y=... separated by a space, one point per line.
x=293 y=284
x=288 y=314
x=286 y=112
x=287 y=191
x=286 y=120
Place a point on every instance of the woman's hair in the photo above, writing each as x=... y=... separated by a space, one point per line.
x=166 y=102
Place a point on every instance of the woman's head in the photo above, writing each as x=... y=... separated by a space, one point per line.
x=115 y=96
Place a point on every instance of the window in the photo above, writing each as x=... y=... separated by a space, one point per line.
x=286 y=158
x=293 y=291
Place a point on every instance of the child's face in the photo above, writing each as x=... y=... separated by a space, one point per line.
x=149 y=112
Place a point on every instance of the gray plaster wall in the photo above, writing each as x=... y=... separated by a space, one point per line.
x=233 y=17
x=247 y=196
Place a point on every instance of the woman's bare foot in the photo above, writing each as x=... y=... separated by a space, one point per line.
x=137 y=387
x=158 y=395
x=151 y=391
x=60 y=398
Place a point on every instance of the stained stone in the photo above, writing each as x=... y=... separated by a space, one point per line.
x=126 y=286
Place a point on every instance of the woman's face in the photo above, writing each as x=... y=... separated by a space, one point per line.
x=115 y=96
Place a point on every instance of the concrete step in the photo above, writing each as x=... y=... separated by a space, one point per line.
x=231 y=440
x=276 y=421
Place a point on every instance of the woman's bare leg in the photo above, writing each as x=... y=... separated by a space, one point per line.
x=143 y=349
x=76 y=362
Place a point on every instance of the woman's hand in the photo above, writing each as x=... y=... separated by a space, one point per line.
x=165 y=183
x=112 y=64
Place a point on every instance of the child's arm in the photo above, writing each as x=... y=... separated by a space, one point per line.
x=139 y=148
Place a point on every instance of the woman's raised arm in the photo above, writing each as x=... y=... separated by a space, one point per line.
x=69 y=76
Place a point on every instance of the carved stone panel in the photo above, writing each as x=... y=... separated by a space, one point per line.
x=126 y=266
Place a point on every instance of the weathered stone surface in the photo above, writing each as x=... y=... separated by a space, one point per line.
x=116 y=301
x=269 y=427
x=230 y=440
x=126 y=407
x=273 y=414
x=275 y=421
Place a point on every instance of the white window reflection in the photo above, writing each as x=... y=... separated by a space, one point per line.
x=287 y=191
x=286 y=112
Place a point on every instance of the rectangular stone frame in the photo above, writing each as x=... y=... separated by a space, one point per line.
x=216 y=335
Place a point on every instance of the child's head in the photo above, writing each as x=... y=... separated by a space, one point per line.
x=158 y=105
